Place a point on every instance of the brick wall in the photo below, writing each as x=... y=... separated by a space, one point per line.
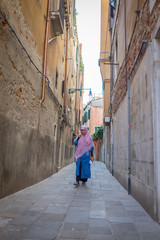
x=143 y=29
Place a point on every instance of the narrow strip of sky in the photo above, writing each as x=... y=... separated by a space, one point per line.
x=88 y=25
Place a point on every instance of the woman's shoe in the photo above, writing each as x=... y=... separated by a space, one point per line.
x=76 y=183
x=83 y=183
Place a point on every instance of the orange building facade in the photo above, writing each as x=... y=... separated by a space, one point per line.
x=93 y=119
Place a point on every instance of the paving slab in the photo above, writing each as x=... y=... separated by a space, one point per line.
x=56 y=209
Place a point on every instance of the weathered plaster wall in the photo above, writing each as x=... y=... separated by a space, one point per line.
x=155 y=76
x=35 y=17
x=104 y=54
x=120 y=133
x=142 y=161
x=28 y=129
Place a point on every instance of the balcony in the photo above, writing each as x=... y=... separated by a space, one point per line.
x=57 y=16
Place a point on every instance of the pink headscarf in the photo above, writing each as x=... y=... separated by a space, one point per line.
x=85 y=143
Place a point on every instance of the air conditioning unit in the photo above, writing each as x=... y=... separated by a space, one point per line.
x=57 y=16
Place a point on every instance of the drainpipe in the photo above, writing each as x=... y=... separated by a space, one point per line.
x=125 y=26
x=76 y=101
x=65 y=77
x=112 y=135
x=111 y=90
x=45 y=51
x=129 y=141
x=128 y=83
x=58 y=142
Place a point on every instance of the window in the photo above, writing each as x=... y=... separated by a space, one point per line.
x=55 y=128
x=72 y=67
x=63 y=88
x=158 y=34
x=81 y=90
x=96 y=128
x=56 y=79
x=151 y=5
x=85 y=117
x=89 y=113
x=112 y=8
x=57 y=16
x=77 y=55
x=113 y=3
x=116 y=60
x=79 y=115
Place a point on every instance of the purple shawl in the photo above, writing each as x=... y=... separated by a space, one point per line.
x=85 y=143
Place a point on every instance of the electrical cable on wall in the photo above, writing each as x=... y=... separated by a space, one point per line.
x=49 y=88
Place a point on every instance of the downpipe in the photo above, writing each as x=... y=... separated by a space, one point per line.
x=128 y=88
x=65 y=77
x=45 y=51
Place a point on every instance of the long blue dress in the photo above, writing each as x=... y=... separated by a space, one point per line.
x=83 y=171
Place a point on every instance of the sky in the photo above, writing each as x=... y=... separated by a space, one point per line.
x=88 y=25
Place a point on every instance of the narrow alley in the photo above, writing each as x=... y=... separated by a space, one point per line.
x=55 y=209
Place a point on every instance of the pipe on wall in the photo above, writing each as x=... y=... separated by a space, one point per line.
x=58 y=140
x=65 y=76
x=76 y=101
x=45 y=50
x=111 y=89
x=112 y=134
x=127 y=87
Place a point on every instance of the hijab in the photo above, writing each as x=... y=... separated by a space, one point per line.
x=85 y=143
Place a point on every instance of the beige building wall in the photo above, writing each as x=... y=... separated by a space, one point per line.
x=35 y=137
x=104 y=54
x=104 y=64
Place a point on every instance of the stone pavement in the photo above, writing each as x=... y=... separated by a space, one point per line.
x=55 y=209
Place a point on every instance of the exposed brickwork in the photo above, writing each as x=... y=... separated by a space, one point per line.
x=143 y=29
x=98 y=150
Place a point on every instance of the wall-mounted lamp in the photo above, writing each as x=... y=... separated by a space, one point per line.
x=73 y=90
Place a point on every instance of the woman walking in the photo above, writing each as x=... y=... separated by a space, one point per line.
x=83 y=155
